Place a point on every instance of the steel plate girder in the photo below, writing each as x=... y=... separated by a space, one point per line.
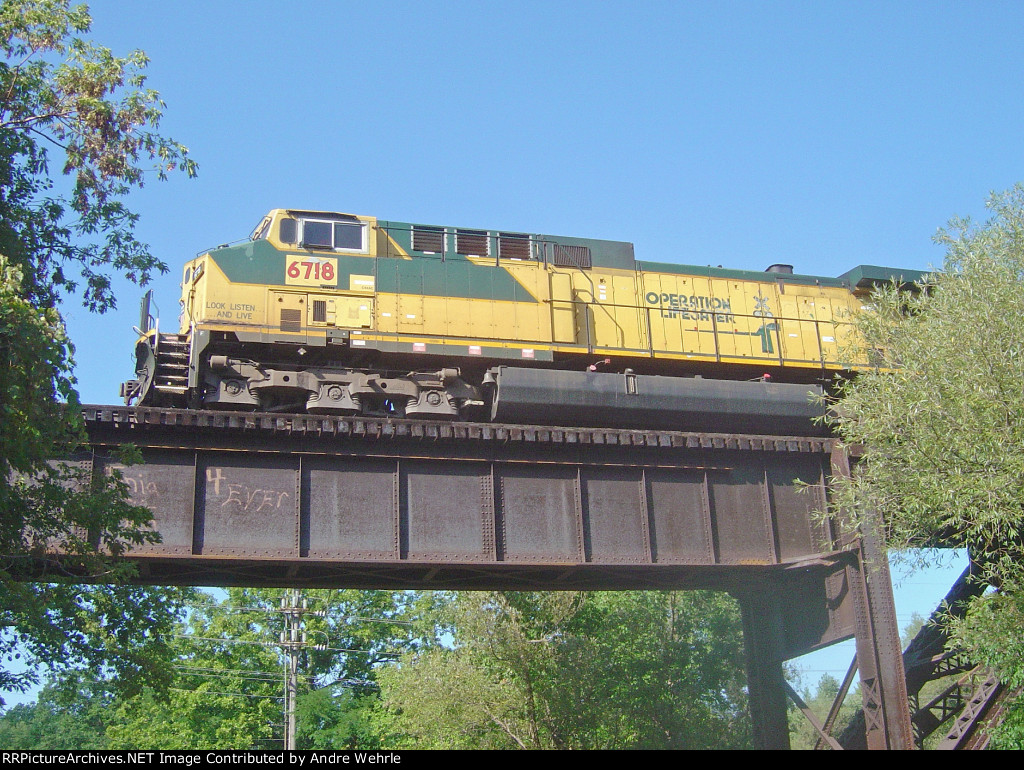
x=302 y=500
x=684 y=510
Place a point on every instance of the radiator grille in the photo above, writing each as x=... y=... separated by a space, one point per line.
x=571 y=256
x=319 y=311
x=471 y=242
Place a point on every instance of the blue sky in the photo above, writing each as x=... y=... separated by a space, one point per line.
x=823 y=135
x=741 y=134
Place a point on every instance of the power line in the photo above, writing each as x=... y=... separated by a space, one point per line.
x=184 y=667
x=378 y=620
x=272 y=644
x=225 y=671
x=269 y=611
x=222 y=639
x=269 y=678
x=234 y=694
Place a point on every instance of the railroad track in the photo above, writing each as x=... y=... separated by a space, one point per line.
x=126 y=420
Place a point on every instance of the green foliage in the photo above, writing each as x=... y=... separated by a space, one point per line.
x=559 y=670
x=942 y=418
x=61 y=233
x=563 y=670
x=43 y=505
x=60 y=91
x=226 y=686
x=70 y=717
x=993 y=632
x=227 y=690
x=334 y=718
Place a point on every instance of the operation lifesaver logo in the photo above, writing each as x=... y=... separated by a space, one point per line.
x=696 y=307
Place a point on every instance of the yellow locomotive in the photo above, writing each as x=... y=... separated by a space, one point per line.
x=339 y=314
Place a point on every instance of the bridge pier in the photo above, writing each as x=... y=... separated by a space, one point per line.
x=764 y=643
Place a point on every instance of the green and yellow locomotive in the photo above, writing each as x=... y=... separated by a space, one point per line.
x=331 y=313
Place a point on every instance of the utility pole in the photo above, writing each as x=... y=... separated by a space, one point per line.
x=293 y=641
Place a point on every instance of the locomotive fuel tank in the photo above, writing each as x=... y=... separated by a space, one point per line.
x=624 y=400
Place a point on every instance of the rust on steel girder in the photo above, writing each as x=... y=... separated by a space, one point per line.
x=301 y=500
x=971 y=701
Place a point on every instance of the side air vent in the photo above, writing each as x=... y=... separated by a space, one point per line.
x=571 y=256
x=513 y=246
x=471 y=242
x=428 y=239
x=291 y=320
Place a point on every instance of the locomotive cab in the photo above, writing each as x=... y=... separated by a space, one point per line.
x=315 y=230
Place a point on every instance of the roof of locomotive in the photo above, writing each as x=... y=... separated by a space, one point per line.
x=620 y=255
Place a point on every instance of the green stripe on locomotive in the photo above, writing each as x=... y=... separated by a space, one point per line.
x=259 y=262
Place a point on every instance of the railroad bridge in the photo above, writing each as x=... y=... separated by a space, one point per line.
x=316 y=501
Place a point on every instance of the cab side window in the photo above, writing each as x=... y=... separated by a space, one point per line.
x=347 y=234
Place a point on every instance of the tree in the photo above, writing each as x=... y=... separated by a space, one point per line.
x=564 y=670
x=941 y=420
x=606 y=670
x=227 y=690
x=73 y=716
x=59 y=234
x=226 y=686
x=61 y=91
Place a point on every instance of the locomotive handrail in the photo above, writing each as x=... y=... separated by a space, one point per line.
x=777 y=355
